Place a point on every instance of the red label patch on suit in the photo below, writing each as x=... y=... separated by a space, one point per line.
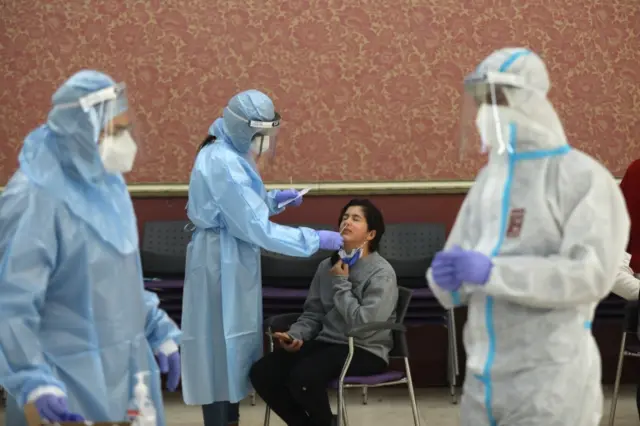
x=516 y=218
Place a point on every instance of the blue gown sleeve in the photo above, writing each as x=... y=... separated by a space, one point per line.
x=159 y=327
x=246 y=214
x=270 y=199
x=28 y=257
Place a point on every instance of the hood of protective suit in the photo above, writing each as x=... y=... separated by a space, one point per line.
x=251 y=105
x=537 y=124
x=74 y=132
x=62 y=157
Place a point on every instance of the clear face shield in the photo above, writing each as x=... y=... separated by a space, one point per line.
x=486 y=122
x=112 y=127
x=263 y=142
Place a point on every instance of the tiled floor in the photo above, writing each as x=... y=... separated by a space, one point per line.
x=386 y=407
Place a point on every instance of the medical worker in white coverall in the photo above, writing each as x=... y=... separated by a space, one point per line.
x=536 y=245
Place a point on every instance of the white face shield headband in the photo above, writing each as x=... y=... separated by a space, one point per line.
x=264 y=133
x=487 y=114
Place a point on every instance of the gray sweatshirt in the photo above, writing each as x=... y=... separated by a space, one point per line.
x=336 y=304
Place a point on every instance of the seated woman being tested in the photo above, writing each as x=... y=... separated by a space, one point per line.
x=355 y=286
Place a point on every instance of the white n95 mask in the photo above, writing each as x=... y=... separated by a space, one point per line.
x=493 y=123
x=496 y=132
x=118 y=152
x=260 y=144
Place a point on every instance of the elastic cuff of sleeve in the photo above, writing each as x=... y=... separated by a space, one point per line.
x=44 y=390
x=167 y=348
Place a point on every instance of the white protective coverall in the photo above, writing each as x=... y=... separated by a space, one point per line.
x=554 y=224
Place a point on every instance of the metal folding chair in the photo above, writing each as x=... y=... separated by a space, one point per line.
x=409 y=248
x=629 y=346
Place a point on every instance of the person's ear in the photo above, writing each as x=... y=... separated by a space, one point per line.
x=372 y=235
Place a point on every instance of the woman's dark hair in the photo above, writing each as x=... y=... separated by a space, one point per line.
x=373 y=216
x=209 y=139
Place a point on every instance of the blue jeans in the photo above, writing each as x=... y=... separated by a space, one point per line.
x=221 y=413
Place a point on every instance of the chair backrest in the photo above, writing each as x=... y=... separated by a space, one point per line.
x=164 y=248
x=611 y=307
x=410 y=247
x=631 y=317
x=400 y=347
x=292 y=272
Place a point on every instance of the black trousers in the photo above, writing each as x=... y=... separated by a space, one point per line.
x=294 y=384
x=221 y=413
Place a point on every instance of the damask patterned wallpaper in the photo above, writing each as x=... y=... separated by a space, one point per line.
x=368 y=89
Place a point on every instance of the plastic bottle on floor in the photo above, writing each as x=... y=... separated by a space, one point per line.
x=141 y=411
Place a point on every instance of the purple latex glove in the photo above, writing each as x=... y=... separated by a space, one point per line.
x=170 y=365
x=288 y=194
x=444 y=273
x=330 y=240
x=471 y=267
x=54 y=409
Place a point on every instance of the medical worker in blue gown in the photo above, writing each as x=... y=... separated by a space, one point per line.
x=77 y=323
x=535 y=247
x=230 y=208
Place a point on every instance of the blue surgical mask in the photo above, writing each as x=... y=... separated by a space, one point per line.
x=352 y=257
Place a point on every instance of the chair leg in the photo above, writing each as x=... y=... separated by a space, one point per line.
x=267 y=416
x=452 y=379
x=454 y=336
x=365 y=395
x=339 y=406
x=451 y=358
x=267 y=410
x=344 y=411
x=412 y=395
x=253 y=398
x=616 y=386
x=342 y=406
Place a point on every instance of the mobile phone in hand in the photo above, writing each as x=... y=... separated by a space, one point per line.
x=287 y=339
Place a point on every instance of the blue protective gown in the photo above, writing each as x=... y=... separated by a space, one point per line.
x=222 y=303
x=75 y=314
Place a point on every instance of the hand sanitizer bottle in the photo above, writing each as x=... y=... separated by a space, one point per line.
x=141 y=411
